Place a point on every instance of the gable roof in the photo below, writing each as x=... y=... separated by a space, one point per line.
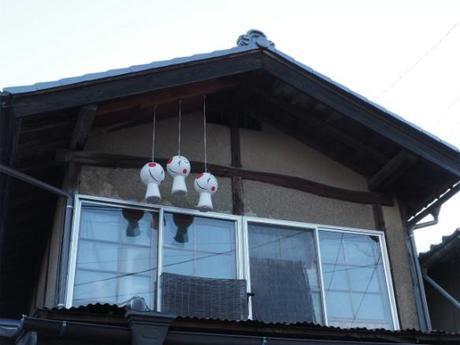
x=253 y=52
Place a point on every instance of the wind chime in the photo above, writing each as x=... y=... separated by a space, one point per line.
x=179 y=166
x=205 y=183
x=152 y=174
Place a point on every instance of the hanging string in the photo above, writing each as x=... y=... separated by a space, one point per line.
x=180 y=130
x=204 y=135
x=154 y=131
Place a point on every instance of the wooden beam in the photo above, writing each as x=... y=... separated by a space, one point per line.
x=363 y=112
x=83 y=127
x=330 y=131
x=306 y=135
x=235 y=146
x=378 y=217
x=237 y=195
x=111 y=88
x=291 y=182
x=170 y=95
x=391 y=171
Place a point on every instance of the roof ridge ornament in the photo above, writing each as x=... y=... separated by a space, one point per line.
x=254 y=37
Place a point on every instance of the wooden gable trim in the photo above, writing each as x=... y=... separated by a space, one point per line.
x=123 y=86
x=403 y=134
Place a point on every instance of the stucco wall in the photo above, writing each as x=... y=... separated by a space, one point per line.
x=125 y=184
x=267 y=201
x=400 y=267
x=138 y=140
x=271 y=150
x=268 y=150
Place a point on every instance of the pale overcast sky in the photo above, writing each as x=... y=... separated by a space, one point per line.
x=365 y=45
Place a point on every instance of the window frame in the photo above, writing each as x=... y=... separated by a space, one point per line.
x=241 y=245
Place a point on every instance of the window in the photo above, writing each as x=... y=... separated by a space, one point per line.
x=230 y=267
x=354 y=280
x=284 y=274
x=117 y=255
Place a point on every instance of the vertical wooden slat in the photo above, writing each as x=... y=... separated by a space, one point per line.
x=235 y=149
x=378 y=217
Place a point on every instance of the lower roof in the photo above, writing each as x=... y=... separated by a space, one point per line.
x=106 y=314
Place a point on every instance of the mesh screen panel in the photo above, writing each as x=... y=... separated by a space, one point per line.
x=204 y=297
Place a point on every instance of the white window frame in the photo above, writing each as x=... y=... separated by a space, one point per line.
x=241 y=245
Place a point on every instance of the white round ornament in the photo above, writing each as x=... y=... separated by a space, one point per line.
x=152 y=174
x=179 y=168
x=206 y=185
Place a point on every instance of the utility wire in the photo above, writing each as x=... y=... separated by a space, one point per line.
x=411 y=68
x=447 y=110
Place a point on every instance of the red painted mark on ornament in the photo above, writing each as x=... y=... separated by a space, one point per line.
x=152 y=165
x=198 y=176
x=213 y=188
x=169 y=161
x=184 y=171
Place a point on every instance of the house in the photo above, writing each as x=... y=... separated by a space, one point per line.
x=441 y=267
x=309 y=239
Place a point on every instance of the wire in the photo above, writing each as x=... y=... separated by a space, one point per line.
x=428 y=52
x=184 y=261
x=153 y=132
x=205 y=135
x=179 y=128
x=447 y=110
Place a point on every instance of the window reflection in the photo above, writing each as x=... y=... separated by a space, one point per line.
x=354 y=280
x=284 y=274
x=117 y=255
x=199 y=246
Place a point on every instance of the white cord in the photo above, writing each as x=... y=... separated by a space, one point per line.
x=153 y=132
x=205 y=134
x=180 y=124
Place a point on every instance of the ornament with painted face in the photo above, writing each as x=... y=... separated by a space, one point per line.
x=152 y=174
x=206 y=185
x=179 y=168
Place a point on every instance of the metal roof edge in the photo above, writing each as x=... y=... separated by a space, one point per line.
x=16 y=90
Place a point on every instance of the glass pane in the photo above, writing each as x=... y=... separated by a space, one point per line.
x=199 y=246
x=117 y=255
x=354 y=280
x=199 y=272
x=284 y=274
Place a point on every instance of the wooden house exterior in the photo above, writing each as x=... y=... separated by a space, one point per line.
x=311 y=228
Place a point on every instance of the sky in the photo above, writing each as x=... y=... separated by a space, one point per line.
x=405 y=55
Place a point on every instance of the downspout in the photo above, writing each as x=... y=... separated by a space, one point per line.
x=422 y=305
x=421 y=300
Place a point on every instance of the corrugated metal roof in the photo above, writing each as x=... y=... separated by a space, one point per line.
x=449 y=246
x=253 y=40
x=119 y=311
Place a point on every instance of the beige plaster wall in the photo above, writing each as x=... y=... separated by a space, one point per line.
x=270 y=150
x=267 y=201
x=400 y=267
x=137 y=141
x=125 y=184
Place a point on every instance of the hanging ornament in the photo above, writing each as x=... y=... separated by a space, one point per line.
x=205 y=183
x=152 y=174
x=178 y=166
